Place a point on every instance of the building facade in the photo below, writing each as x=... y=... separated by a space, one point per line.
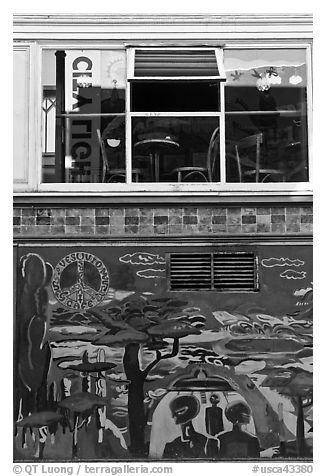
x=163 y=237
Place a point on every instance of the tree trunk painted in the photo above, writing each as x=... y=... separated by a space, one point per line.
x=136 y=410
x=301 y=446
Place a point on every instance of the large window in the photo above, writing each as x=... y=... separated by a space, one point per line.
x=161 y=117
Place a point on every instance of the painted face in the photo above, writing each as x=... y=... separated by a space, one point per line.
x=184 y=408
x=214 y=399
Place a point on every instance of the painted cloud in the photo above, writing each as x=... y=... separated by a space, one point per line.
x=146 y=259
x=271 y=262
x=151 y=273
x=291 y=274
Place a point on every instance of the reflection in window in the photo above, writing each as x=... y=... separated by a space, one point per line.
x=266 y=115
x=176 y=149
x=89 y=89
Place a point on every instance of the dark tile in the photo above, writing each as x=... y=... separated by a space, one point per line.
x=248 y=219
x=161 y=220
x=72 y=220
x=28 y=220
x=131 y=220
x=189 y=219
x=40 y=220
x=16 y=221
x=292 y=219
x=102 y=220
x=306 y=219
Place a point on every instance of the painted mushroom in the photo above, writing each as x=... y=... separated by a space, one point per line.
x=82 y=405
x=41 y=420
x=86 y=367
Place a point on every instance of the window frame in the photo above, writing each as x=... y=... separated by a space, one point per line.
x=173 y=188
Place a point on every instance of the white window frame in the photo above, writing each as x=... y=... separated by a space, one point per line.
x=167 y=189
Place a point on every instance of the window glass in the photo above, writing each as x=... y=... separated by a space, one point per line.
x=174 y=96
x=83 y=115
x=266 y=115
x=172 y=149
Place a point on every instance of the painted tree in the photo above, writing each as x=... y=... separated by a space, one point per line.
x=139 y=321
x=296 y=384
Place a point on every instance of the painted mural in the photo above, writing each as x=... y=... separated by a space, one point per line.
x=111 y=365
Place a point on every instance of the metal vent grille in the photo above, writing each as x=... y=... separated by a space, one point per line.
x=223 y=271
x=175 y=63
x=233 y=271
x=190 y=271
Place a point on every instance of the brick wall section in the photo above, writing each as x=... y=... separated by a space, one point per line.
x=148 y=221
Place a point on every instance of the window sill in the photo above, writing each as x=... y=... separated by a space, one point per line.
x=159 y=198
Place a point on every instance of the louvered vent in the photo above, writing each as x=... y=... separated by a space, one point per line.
x=223 y=271
x=175 y=63
x=234 y=271
x=190 y=271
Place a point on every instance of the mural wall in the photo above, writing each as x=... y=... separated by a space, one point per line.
x=110 y=364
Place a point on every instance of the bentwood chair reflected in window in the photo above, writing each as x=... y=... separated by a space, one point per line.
x=204 y=173
x=110 y=174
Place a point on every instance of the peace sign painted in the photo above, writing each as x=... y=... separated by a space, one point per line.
x=80 y=280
